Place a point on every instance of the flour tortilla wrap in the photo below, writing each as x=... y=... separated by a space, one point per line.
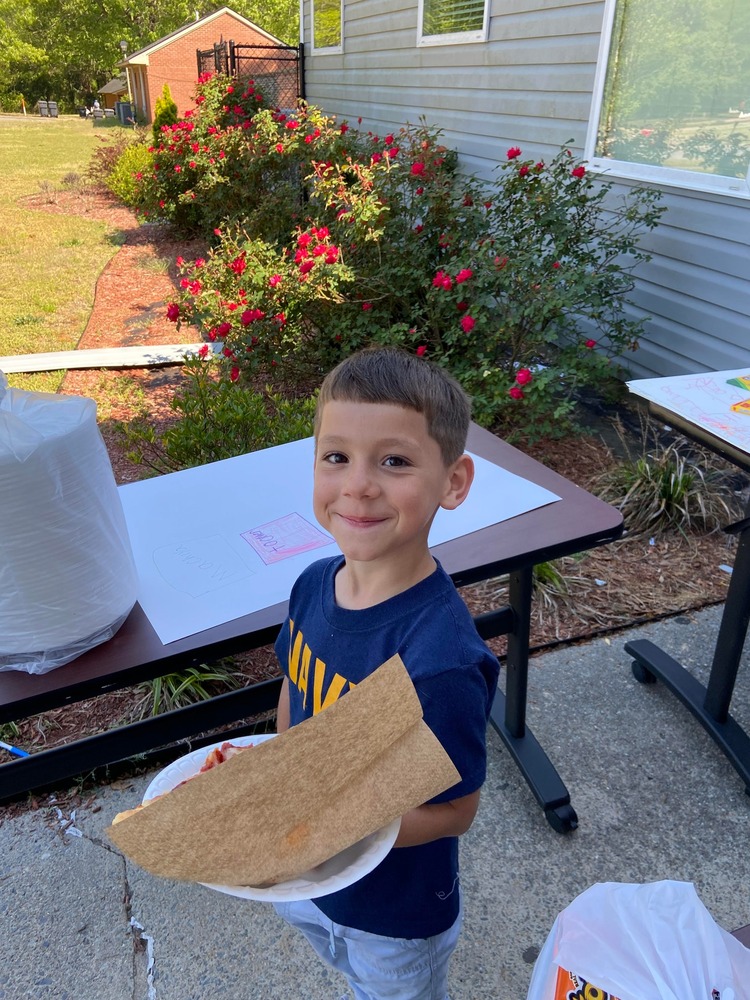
x=291 y=803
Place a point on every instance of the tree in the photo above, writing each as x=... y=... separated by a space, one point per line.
x=66 y=49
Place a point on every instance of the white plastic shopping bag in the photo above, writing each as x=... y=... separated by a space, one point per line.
x=655 y=941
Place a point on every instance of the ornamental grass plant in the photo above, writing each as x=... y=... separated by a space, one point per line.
x=324 y=239
x=671 y=485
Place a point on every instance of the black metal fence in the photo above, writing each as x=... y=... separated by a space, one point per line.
x=214 y=60
x=278 y=71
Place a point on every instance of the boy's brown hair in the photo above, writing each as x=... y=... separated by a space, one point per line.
x=390 y=375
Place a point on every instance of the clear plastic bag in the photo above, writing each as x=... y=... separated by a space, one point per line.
x=67 y=575
x=652 y=941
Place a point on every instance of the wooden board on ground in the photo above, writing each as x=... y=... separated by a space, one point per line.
x=102 y=357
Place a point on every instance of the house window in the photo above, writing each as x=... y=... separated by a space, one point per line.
x=443 y=22
x=326 y=18
x=672 y=97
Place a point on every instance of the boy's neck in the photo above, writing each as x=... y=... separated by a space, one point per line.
x=363 y=585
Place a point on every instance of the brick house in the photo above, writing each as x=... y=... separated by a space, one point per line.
x=172 y=59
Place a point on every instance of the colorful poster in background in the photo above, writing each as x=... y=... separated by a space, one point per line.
x=717 y=402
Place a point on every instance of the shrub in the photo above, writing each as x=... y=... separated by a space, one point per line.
x=197 y=175
x=389 y=245
x=165 y=112
x=217 y=420
x=326 y=239
x=124 y=178
x=105 y=157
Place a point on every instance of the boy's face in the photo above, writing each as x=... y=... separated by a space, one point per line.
x=379 y=480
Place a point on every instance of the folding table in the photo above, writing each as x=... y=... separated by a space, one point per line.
x=710 y=704
x=576 y=522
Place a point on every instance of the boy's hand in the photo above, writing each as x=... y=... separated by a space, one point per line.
x=442 y=819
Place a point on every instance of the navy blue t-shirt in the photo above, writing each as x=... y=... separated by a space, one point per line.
x=323 y=649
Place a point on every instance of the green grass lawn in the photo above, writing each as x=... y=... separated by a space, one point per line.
x=49 y=263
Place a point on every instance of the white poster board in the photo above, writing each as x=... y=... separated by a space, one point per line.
x=718 y=402
x=222 y=540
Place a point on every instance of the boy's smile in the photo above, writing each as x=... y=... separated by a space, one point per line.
x=379 y=480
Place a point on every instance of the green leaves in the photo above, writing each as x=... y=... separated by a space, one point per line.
x=326 y=239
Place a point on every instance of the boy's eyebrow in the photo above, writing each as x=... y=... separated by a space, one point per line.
x=391 y=442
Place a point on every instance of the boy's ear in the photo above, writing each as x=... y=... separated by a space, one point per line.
x=460 y=478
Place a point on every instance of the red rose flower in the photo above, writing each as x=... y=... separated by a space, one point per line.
x=366 y=306
x=515 y=393
x=468 y=323
x=203 y=351
x=173 y=312
x=463 y=275
x=522 y=171
x=523 y=376
x=590 y=344
x=234 y=374
x=513 y=152
x=421 y=350
x=578 y=172
x=417 y=168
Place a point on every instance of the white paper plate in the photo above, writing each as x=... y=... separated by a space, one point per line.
x=338 y=872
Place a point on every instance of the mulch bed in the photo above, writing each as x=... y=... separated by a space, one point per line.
x=631 y=581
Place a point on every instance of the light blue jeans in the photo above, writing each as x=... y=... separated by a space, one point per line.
x=377 y=967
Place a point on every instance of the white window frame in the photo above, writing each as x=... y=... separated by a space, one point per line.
x=326 y=48
x=456 y=37
x=690 y=180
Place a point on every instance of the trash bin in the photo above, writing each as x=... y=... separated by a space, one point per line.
x=81 y=112
x=124 y=111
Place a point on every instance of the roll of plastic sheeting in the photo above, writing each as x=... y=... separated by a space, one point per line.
x=67 y=575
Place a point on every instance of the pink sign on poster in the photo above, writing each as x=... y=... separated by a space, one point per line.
x=285 y=537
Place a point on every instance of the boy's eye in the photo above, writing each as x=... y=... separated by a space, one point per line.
x=334 y=458
x=396 y=462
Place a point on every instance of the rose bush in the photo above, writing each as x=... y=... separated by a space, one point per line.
x=324 y=239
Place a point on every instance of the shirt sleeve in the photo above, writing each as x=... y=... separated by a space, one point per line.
x=456 y=707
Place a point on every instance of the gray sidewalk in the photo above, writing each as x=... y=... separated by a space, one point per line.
x=655 y=799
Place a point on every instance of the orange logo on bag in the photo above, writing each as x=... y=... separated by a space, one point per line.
x=572 y=987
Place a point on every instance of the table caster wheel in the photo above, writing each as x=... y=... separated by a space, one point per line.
x=641 y=674
x=562 y=819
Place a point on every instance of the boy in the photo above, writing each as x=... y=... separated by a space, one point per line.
x=390 y=432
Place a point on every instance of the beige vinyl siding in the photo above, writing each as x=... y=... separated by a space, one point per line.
x=530 y=85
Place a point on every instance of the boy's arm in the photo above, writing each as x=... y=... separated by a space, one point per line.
x=282 y=709
x=440 y=819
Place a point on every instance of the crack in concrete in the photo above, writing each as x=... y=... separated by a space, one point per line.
x=143 y=965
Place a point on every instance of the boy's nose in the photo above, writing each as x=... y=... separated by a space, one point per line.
x=359 y=480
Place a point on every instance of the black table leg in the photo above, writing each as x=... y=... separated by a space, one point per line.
x=508 y=715
x=710 y=704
